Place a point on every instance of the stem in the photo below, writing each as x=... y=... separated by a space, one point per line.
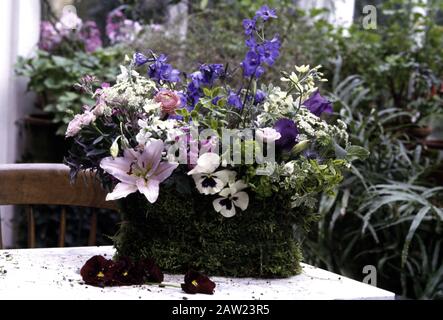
x=163 y=285
x=246 y=97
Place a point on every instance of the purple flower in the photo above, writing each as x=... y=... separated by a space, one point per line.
x=269 y=51
x=266 y=13
x=251 y=43
x=318 y=104
x=160 y=70
x=49 y=37
x=91 y=36
x=251 y=65
x=289 y=134
x=210 y=73
x=249 y=26
x=120 y=29
x=260 y=96
x=216 y=100
x=139 y=170
x=235 y=101
x=140 y=59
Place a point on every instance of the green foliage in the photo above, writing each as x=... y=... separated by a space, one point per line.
x=385 y=213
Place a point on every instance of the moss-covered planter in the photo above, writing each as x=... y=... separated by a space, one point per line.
x=184 y=232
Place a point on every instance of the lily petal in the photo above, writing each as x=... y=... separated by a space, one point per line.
x=118 y=168
x=121 y=190
x=164 y=171
x=152 y=155
x=150 y=189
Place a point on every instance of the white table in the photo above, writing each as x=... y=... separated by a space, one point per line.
x=54 y=274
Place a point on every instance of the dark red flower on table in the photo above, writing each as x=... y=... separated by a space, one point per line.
x=101 y=272
x=96 y=272
x=196 y=282
x=149 y=271
x=124 y=273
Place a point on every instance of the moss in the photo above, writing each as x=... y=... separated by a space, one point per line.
x=182 y=232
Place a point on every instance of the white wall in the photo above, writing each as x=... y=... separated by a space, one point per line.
x=19 y=34
x=341 y=11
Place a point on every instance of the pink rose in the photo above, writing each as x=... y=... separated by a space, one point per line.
x=169 y=100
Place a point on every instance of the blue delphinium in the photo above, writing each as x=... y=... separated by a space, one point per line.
x=269 y=51
x=204 y=77
x=318 y=104
x=252 y=65
x=211 y=72
x=249 y=26
x=260 y=52
x=234 y=100
x=140 y=59
x=266 y=13
x=160 y=70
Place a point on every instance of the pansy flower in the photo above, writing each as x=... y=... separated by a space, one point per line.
x=196 y=282
x=232 y=197
x=96 y=272
x=207 y=180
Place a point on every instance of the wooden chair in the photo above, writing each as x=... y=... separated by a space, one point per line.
x=49 y=184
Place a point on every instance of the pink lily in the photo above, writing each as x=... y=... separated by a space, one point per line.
x=140 y=171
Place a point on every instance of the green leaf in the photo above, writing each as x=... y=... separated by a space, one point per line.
x=356 y=153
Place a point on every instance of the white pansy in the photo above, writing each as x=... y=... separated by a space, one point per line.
x=213 y=183
x=207 y=163
x=207 y=180
x=232 y=198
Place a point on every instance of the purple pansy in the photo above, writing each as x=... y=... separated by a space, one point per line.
x=289 y=134
x=318 y=104
x=266 y=13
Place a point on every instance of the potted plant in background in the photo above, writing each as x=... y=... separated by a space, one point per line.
x=68 y=49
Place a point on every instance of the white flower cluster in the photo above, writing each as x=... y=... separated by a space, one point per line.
x=133 y=90
x=154 y=127
x=312 y=127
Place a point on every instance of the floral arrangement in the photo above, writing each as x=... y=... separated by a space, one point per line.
x=232 y=150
